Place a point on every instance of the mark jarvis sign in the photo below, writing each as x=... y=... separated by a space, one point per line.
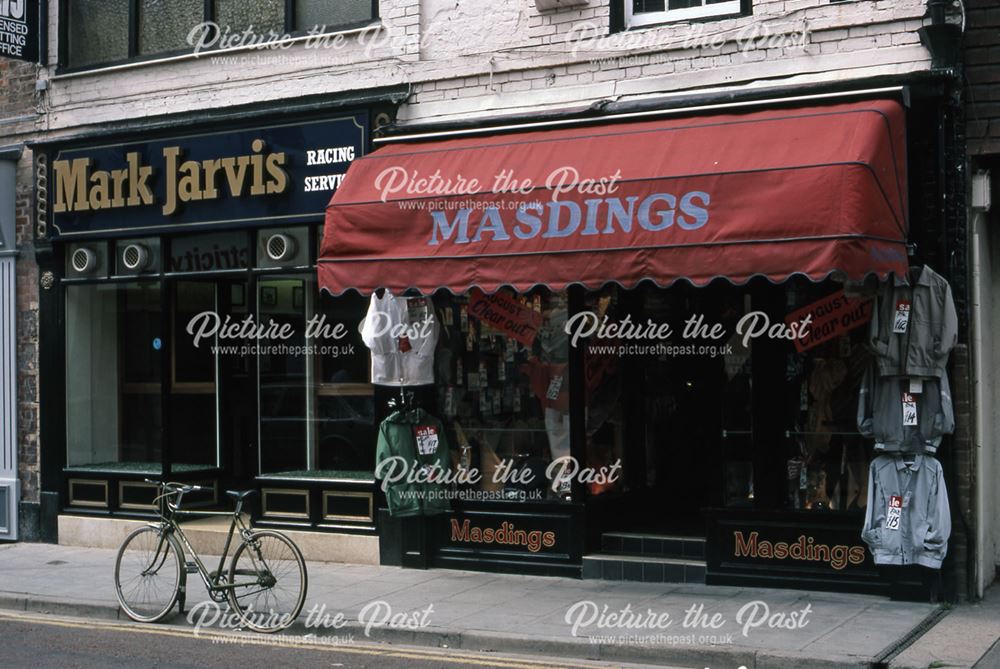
x=81 y=188
x=256 y=176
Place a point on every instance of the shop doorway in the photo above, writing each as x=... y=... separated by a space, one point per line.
x=683 y=429
x=212 y=417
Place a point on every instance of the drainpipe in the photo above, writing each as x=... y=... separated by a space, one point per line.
x=941 y=38
x=983 y=386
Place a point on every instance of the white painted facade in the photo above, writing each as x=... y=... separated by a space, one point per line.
x=491 y=57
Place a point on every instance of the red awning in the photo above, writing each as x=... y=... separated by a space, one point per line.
x=772 y=193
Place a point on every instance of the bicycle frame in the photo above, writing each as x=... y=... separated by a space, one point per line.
x=211 y=579
x=169 y=524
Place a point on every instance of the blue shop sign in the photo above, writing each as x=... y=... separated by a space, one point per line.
x=269 y=175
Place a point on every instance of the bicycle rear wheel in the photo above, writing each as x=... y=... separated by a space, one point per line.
x=269 y=580
x=148 y=574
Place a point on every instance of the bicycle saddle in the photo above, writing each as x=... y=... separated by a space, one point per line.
x=240 y=495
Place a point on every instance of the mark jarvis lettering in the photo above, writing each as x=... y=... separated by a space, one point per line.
x=804 y=548
x=80 y=187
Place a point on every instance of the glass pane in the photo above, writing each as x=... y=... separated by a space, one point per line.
x=683 y=4
x=345 y=408
x=260 y=16
x=193 y=361
x=165 y=24
x=193 y=390
x=640 y=6
x=504 y=391
x=827 y=458
x=113 y=377
x=312 y=13
x=606 y=415
x=208 y=253
x=98 y=31
x=283 y=366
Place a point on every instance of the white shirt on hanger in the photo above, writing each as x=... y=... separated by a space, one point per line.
x=402 y=334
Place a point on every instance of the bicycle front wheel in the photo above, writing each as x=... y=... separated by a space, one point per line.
x=148 y=574
x=268 y=581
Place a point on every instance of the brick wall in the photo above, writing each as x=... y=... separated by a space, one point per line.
x=18 y=118
x=27 y=336
x=17 y=81
x=483 y=57
x=982 y=72
x=961 y=477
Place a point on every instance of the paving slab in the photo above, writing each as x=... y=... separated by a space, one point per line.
x=967 y=636
x=755 y=628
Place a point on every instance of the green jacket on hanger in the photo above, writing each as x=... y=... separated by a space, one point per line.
x=412 y=452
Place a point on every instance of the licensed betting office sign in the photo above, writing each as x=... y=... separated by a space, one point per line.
x=19 y=33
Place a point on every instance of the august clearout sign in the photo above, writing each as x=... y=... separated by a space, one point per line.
x=19 y=34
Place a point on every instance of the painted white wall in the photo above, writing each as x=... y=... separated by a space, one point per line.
x=449 y=28
x=487 y=57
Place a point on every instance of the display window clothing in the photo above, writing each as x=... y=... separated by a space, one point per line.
x=417 y=439
x=402 y=333
x=903 y=421
x=549 y=383
x=914 y=325
x=908 y=520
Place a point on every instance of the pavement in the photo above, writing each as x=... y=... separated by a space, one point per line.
x=681 y=625
x=968 y=636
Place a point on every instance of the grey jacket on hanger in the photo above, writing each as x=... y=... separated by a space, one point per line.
x=930 y=334
x=924 y=523
x=880 y=413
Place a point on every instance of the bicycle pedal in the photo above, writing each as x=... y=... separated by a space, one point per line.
x=192 y=567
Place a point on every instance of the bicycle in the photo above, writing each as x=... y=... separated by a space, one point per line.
x=265 y=583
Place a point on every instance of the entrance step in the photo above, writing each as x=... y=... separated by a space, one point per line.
x=651 y=558
x=653 y=545
x=614 y=567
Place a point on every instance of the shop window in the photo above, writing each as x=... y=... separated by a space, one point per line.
x=502 y=371
x=103 y=32
x=640 y=13
x=113 y=363
x=316 y=405
x=827 y=459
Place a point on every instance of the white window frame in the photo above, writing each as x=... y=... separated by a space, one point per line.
x=633 y=20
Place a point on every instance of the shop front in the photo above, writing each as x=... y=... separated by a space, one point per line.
x=178 y=276
x=644 y=345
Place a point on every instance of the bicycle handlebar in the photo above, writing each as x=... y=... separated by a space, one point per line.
x=174 y=490
x=172 y=487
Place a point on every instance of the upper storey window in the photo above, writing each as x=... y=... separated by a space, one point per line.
x=103 y=32
x=640 y=13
